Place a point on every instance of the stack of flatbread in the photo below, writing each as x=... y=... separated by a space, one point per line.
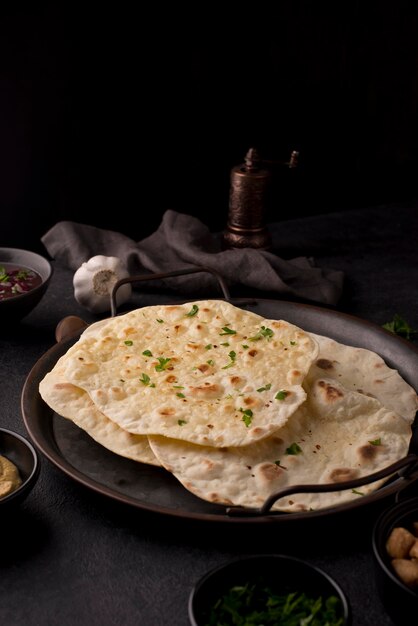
x=235 y=406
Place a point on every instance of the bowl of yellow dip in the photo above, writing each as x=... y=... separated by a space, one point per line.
x=19 y=467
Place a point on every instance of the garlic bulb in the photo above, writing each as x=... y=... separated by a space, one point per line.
x=94 y=280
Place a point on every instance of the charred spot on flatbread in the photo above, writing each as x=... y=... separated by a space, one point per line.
x=368 y=451
x=342 y=474
x=324 y=364
x=330 y=393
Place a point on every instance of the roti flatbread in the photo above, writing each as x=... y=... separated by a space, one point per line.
x=337 y=435
x=76 y=405
x=364 y=371
x=206 y=372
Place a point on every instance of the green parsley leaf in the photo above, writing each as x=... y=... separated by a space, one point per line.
x=376 y=442
x=293 y=343
x=160 y=321
x=192 y=311
x=228 y=331
x=281 y=395
x=294 y=448
x=399 y=326
x=263 y=332
x=147 y=353
x=279 y=463
x=128 y=342
x=208 y=347
x=247 y=416
x=225 y=343
x=181 y=422
x=163 y=363
x=244 y=345
x=359 y=493
x=180 y=395
x=265 y=388
x=178 y=387
x=4 y=277
x=210 y=362
x=232 y=355
x=145 y=379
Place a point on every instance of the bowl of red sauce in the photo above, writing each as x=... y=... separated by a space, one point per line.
x=24 y=278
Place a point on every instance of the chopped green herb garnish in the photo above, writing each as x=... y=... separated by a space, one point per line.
x=263 y=332
x=4 y=277
x=265 y=388
x=244 y=345
x=128 y=342
x=294 y=448
x=247 y=416
x=279 y=463
x=281 y=395
x=122 y=380
x=208 y=347
x=258 y=602
x=399 y=326
x=376 y=442
x=210 y=362
x=192 y=311
x=181 y=422
x=293 y=343
x=160 y=321
x=162 y=365
x=232 y=355
x=228 y=331
x=178 y=387
x=145 y=379
x=225 y=343
x=147 y=353
x=359 y=493
x=180 y=395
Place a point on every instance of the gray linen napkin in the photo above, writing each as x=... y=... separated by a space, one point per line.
x=182 y=241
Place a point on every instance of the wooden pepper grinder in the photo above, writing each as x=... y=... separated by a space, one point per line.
x=247 y=202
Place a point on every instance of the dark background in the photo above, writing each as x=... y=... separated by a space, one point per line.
x=111 y=116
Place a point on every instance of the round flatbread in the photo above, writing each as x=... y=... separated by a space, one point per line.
x=206 y=372
x=364 y=371
x=337 y=435
x=76 y=405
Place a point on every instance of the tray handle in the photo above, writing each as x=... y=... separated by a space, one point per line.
x=182 y=272
x=404 y=467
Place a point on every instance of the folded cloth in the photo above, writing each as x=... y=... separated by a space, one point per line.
x=182 y=241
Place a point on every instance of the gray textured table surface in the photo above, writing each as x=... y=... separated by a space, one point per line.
x=72 y=557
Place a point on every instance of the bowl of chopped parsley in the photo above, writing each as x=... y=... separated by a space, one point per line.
x=273 y=590
x=24 y=278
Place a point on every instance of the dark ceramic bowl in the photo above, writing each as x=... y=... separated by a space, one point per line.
x=400 y=602
x=22 y=453
x=18 y=306
x=280 y=572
